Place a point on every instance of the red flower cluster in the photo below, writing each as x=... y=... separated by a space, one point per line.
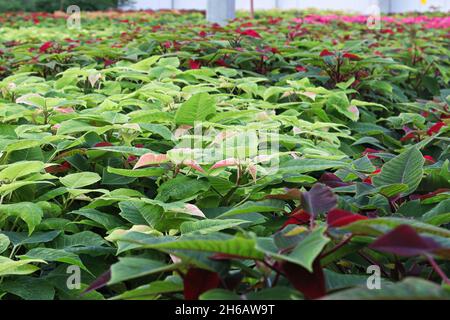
x=369 y=152
x=250 y=33
x=435 y=128
x=369 y=179
x=326 y=53
x=45 y=47
x=65 y=166
x=335 y=218
x=351 y=56
x=194 y=64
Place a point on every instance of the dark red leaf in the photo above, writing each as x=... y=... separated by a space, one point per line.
x=194 y=64
x=408 y=136
x=156 y=28
x=132 y=159
x=247 y=25
x=326 y=53
x=312 y=285
x=318 y=200
x=429 y=159
x=232 y=281
x=273 y=21
x=250 y=33
x=221 y=62
x=100 y=282
x=369 y=152
x=351 y=56
x=339 y=218
x=108 y=62
x=404 y=241
x=332 y=180
x=103 y=144
x=369 y=179
x=435 y=128
x=274 y=50
x=428 y=195
x=388 y=31
x=198 y=281
x=45 y=46
x=299 y=217
x=65 y=166
x=225 y=256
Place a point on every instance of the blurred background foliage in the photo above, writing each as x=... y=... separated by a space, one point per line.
x=54 y=5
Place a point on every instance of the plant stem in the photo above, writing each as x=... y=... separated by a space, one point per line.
x=438 y=269
x=13 y=251
x=374 y=263
x=338 y=246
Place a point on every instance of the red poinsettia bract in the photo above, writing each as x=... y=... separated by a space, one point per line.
x=197 y=281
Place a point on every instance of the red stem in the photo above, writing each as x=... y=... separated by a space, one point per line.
x=438 y=269
x=337 y=247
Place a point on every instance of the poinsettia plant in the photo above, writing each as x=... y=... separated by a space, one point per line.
x=280 y=157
